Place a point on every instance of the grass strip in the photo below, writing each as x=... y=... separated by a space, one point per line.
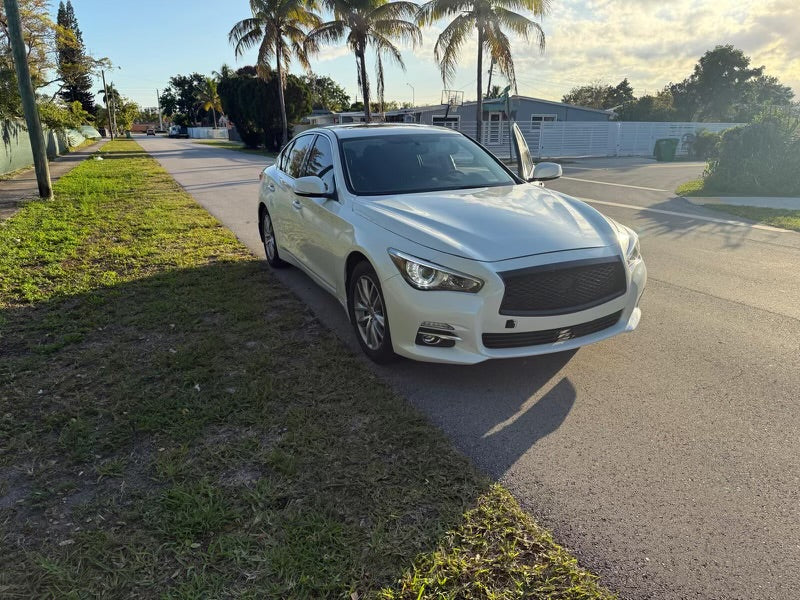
x=238 y=146
x=784 y=218
x=175 y=424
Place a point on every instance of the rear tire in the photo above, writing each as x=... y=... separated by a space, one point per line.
x=267 y=231
x=367 y=309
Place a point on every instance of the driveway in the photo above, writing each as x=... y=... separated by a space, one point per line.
x=668 y=460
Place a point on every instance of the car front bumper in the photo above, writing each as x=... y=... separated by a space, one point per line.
x=472 y=315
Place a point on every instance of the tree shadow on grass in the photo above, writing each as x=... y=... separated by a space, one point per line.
x=198 y=433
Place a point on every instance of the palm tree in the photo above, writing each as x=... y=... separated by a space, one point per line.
x=113 y=94
x=209 y=98
x=490 y=18
x=365 y=23
x=278 y=29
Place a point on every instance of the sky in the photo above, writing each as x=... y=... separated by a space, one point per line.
x=649 y=42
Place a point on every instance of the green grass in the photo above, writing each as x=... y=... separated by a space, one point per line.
x=238 y=146
x=698 y=188
x=786 y=219
x=83 y=144
x=693 y=188
x=175 y=424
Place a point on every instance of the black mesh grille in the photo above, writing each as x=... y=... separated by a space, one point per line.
x=562 y=288
x=549 y=336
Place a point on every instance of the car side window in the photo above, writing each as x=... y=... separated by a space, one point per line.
x=297 y=156
x=320 y=158
x=284 y=156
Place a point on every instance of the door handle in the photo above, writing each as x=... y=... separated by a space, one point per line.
x=271 y=187
x=296 y=204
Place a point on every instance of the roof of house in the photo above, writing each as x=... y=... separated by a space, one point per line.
x=433 y=107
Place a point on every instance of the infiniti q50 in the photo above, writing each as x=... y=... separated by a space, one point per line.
x=439 y=252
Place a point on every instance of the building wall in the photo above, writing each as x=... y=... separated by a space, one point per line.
x=15 y=145
x=525 y=109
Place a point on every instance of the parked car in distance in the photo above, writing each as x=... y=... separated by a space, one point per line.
x=178 y=131
x=150 y=131
x=438 y=252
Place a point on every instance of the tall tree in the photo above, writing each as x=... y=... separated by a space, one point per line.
x=250 y=100
x=180 y=96
x=600 y=95
x=490 y=18
x=365 y=24
x=73 y=65
x=209 y=98
x=326 y=94
x=278 y=29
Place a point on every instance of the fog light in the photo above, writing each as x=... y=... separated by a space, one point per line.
x=431 y=340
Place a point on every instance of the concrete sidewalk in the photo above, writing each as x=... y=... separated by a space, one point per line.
x=15 y=191
x=778 y=203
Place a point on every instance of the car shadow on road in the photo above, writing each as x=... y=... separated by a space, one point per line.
x=495 y=411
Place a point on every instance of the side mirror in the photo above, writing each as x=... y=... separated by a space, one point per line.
x=312 y=186
x=546 y=171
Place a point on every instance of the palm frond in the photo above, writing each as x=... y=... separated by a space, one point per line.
x=384 y=47
x=499 y=47
x=448 y=45
x=519 y=24
x=404 y=31
x=327 y=33
x=539 y=8
x=398 y=9
x=245 y=35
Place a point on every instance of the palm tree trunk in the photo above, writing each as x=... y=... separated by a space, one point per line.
x=364 y=83
x=281 y=100
x=214 y=114
x=479 y=106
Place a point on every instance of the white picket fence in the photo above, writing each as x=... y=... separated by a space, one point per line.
x=209 y=133
x=589 y=138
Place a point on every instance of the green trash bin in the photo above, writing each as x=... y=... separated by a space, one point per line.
x=128 y=135
x=665 y=149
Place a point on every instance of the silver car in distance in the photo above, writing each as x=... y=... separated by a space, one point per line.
x=438 y=252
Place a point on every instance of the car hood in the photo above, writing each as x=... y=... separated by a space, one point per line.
x=491 y=224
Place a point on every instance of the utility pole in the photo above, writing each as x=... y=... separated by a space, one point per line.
x=28 y=97
x=413 y=103
x=108 y=110
x=489 y=85
x=158 y=102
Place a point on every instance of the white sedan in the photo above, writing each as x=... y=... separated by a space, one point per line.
x=438 y=252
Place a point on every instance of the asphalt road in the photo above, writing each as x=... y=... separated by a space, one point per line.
x=668 y=459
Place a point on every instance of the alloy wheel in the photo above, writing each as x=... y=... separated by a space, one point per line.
x=369 y=313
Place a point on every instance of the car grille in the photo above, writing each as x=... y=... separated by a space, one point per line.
x=562 y=288
x=549 y=336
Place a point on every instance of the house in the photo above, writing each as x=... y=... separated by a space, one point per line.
x=529 y=113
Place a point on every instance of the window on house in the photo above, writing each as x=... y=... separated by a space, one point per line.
x=537 y=120
x=451 y=122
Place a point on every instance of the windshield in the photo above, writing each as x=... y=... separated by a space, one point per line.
x=407 y=163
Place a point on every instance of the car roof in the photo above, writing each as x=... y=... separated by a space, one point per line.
x=383 y=129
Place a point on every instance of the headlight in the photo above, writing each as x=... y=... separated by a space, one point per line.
x=428 y=276
x=633 y=254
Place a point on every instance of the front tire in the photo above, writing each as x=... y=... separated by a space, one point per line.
x=368 y=315
x=270 y=244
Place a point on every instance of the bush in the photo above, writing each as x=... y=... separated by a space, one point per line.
x=706 y=145
x=760 y=158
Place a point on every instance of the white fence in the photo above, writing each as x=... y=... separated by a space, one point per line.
x=588 y=138
x=209 y=133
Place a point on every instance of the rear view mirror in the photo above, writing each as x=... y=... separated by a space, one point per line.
x=546 y=171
